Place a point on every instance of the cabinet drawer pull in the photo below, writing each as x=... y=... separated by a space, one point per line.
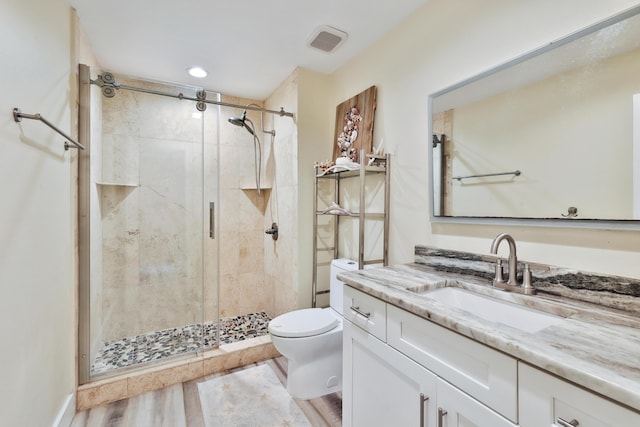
x=564 y=423
x=360 y=312
x=441 y=414
x=423 y=399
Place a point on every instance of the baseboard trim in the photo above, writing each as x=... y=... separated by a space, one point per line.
x=67 y=411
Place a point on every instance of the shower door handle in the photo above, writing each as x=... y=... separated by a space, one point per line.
x=212 y=220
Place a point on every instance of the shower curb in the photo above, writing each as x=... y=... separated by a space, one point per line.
x=133 y=383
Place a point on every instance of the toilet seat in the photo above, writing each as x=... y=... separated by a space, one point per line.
x=303 y=323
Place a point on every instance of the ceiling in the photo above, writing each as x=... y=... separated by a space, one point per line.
x=248 y=47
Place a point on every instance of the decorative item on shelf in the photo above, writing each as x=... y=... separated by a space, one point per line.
x=324 y=165
x=346 y=166
x=377 y=161
x=377 y=158
x=336 y=209
x=349 y=134
x=354 y=126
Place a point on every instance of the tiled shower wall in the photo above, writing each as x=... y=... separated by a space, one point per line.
x=150 y=186
x=281 y=256
x=242 y=238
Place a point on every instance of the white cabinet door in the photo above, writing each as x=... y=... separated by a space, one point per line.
x=381 y=387
x=549 y=401
x=457 y=409
x=486 y=374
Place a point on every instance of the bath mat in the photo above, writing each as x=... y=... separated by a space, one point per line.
x=253 y=397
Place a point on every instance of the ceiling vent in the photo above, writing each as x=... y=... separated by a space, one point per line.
x=327 y=39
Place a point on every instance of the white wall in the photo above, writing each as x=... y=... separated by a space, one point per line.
x=445 y=42
x=37 y=258
x=314 y=126
x=636 y=156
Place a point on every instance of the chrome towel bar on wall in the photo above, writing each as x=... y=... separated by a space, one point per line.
x=460 y=178
x=19 y=115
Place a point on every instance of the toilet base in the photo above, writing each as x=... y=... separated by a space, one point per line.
x=308 y=381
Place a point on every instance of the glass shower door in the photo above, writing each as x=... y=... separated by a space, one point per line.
x=153 y=264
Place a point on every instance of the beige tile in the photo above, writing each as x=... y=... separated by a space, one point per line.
x=238 y=354
x=156 y=379
x=248 y=295
x=214 y=364
x=101 y=392
x=258 y=354
x=232 y=360
x=251 y=250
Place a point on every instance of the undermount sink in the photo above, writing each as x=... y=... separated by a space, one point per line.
x=494 y=310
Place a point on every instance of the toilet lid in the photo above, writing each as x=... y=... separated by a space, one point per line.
x=303 y=323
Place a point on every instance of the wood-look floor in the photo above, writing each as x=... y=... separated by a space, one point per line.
x=179 y=406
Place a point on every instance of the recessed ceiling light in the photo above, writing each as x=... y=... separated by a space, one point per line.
x=198 y=72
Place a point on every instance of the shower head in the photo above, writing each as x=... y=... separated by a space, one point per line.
x=257 y=150
x=242 y=122
x=238 y=121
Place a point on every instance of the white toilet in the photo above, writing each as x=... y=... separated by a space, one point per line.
x=311 y=340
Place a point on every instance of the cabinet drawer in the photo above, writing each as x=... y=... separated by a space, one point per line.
x=545 y=399
x=365 y=311
x=486 y=374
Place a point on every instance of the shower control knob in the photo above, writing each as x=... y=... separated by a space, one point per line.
x=273 y=231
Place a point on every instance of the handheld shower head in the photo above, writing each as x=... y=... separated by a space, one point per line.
x=241 y=121
x=238 y=121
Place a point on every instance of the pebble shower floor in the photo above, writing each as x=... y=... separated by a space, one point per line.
x=157 y=345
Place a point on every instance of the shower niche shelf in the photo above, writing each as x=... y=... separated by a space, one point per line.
x=117 y=184
x=371 y=165
x=250 y=188
x=260 y=201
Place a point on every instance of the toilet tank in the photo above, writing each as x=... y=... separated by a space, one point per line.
x=338 y=266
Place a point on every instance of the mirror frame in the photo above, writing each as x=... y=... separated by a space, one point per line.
x=606 y=224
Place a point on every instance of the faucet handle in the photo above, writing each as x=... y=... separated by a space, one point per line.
x=499 y=272
x=527 y=286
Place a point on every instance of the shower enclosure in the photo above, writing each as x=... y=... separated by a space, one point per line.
x=149 y=219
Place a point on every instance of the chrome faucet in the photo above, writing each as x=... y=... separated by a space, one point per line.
x=513 y=259
x=512 y=281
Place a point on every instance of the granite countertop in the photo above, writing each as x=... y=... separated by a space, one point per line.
x=594 y=346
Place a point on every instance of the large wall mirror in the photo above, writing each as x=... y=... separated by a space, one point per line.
x=552 y=137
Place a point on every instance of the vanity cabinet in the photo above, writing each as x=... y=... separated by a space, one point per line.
x=400 y=369
x=546 y=400
x=382 y=387
x=403 y=386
